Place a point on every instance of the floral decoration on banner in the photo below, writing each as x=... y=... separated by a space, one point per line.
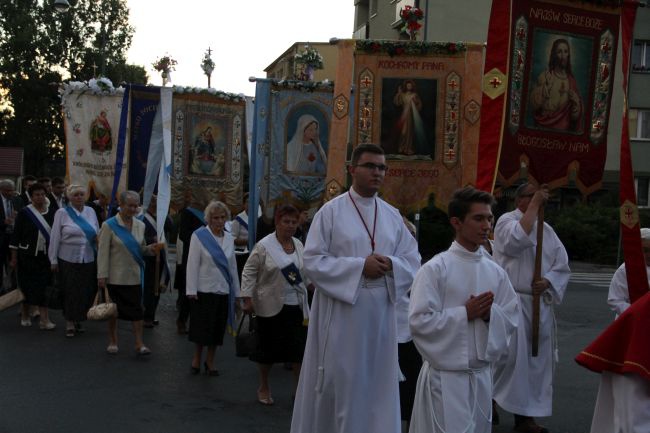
x=410 y=18
x=94 y=86
x=305 y=86
x=310 y=57
x=235 y=97
x=165 y=64
x=410 y=48
x=207 y=64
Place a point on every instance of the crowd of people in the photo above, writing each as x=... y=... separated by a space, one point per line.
x=373 y=336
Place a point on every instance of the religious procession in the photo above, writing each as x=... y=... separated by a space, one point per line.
x=395 y=237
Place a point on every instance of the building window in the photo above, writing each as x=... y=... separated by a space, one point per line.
x=642 y=191
x=641 y=56
x=640 y=124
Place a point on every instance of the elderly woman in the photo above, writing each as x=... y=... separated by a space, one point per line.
x=73 y=246
x=29 y=253
x=273 y=287
x=212 y=285
x=120 y=267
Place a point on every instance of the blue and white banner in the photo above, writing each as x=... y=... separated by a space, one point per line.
x=144 y=106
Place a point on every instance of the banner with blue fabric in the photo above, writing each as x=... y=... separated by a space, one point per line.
x=299 y=126
x=144 y=106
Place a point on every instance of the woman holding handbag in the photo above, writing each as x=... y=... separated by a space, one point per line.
x=273 y=286
x=212 y=285
x=28 y=245
x=72 y=252
x=120 y=268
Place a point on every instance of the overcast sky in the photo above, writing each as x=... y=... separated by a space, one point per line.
x=244 y=39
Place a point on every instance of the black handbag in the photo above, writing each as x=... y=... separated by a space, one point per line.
x=246 y=342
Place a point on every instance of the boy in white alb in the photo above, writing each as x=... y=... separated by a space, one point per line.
x=463 y=312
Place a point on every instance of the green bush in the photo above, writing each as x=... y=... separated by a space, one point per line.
x=589 y=232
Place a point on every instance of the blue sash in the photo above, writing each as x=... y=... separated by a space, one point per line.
x=220 y=260
x=242 y=222
x=89 y=231
x=129 y=242
x=197 y=213
x=39 y=224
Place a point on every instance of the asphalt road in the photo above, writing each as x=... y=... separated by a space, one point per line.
x=55 y=384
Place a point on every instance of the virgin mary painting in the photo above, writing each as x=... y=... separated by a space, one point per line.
x=305 y=154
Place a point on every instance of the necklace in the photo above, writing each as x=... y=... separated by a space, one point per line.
x=374 y=224
x=288 y=248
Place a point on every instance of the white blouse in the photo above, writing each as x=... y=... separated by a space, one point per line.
x=67 y=241
x=203 y=275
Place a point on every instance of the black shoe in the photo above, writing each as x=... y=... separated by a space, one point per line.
x=156 y=322
x=79 y=329
x=210 y=372
x=195 y=370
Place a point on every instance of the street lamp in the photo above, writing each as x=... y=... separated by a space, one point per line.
x=61 y=5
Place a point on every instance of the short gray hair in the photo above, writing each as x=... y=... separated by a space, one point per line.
x=125 y=195
x=7 y=183
x=71 y=189
x=213 y=206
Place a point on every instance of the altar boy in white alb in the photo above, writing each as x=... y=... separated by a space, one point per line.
x=462 y=315
x=362 y=259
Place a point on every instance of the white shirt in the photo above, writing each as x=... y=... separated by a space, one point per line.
x=68 y=241
x=618 y=297
x=203 y=275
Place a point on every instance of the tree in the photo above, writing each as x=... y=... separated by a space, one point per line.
x=38 y=49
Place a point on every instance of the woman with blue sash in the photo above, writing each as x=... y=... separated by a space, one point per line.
x=28 y=247
x=72 y=252
x=274 y=287
x=120 y=267
x=212 y=285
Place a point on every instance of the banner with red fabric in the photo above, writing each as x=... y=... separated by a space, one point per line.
x=547 y=92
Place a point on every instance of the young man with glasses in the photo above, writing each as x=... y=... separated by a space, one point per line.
x=362 y=259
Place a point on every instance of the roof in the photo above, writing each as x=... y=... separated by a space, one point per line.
x=11 y=161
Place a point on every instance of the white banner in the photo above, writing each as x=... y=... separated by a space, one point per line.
x=92 y=124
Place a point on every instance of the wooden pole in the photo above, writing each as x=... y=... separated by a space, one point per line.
x=156 y=278
x=537 y=276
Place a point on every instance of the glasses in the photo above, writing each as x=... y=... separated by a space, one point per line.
x=372 y=166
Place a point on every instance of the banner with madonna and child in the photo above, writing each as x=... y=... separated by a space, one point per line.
x=208 y=148
x=420 y=101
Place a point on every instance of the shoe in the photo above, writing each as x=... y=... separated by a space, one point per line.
x=25 y=322
x=112 y=349
x=69 y=333
x=147 y=324
x=210 y=372
x=195 y=370
x=156 y=322
x=47 y=326
x=79 y=329
x=265 y=399
x=143 y=351
x=530 y=426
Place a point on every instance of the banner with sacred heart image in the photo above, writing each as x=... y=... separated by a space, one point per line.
x=547 y=92
x=208 y=148
x=92 y=125
x=299 y=124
